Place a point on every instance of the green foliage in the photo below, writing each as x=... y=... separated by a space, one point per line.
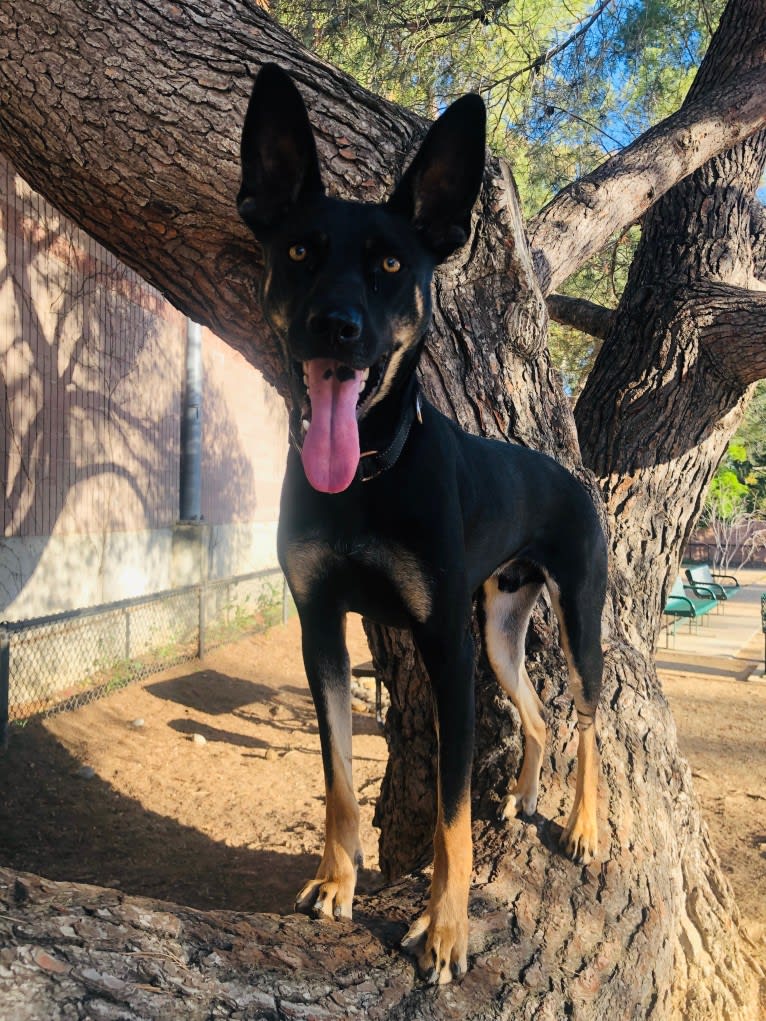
x=567 y=82
x=727 y=494
x=740 y=482
x=751 y=435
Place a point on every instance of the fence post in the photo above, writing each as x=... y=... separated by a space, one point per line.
x=127 y=634
x=5 y=685
x=202 y=623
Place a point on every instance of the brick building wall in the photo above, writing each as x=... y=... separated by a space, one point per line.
x=91 y=378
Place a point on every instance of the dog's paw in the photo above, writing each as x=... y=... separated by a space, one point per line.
x=327 y=897
x=439 y=947
x=579 y=840
x=521 y=801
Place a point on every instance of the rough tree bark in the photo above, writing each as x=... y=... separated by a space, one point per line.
x=127 y=116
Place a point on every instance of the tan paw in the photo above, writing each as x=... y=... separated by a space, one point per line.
x=327 y=898
x=579 y=841
x=440 y=948
x=521 y=801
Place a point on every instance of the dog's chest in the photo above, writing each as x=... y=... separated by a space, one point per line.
x=380 y=579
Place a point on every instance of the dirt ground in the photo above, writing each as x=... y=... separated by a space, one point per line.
x=721 y=726
x=126 y=793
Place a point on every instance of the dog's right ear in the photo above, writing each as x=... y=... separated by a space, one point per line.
x=279 y=156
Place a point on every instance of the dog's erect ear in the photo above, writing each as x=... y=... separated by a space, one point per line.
x=279 y=156
x=440 y=186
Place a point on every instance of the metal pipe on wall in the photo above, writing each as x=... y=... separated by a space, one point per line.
x=191 y=428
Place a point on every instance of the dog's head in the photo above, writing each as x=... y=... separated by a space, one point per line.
x=346 y=285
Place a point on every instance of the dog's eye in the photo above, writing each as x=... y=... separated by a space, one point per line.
x=391 y=265
x=297 y=252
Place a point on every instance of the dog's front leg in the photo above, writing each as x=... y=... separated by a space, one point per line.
x=440 y=936
x=331 y=892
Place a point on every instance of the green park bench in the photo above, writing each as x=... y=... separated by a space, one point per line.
x=721 y=585
x=686 y=604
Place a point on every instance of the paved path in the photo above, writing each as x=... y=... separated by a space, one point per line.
x=729 y=642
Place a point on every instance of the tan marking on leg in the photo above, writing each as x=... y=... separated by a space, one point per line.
x=580 y=837
x=523 y=797
x=409 y=578
x=507 y=619
x=444 y=925
x=331 y=893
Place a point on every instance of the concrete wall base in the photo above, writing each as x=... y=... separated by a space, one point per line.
x=48 y=574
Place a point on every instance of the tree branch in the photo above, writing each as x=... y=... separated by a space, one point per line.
x=484 y=13
x=545 y=58
x=731 y=322
x=578 y=222
x=583 y=315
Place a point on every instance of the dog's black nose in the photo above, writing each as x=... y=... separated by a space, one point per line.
x=340 y=325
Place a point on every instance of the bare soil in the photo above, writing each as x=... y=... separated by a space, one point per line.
x=721 y=724
x=236 y=820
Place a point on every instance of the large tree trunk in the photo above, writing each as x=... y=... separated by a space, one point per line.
x=128 y=117
x=669 y=385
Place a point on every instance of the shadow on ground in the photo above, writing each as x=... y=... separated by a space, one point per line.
x=59 y=825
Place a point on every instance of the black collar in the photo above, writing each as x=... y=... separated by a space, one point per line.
x=373 y=462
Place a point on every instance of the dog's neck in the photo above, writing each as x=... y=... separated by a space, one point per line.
x=381 y=453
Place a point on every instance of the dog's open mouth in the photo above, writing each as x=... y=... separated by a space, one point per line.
x=336 y=396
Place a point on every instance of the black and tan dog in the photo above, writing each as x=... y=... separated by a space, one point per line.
x=390 y=510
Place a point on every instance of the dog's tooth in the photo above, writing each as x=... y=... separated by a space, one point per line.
x=365 y=375
x=305 y=423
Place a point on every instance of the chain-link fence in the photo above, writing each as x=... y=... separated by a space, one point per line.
x=66 y=660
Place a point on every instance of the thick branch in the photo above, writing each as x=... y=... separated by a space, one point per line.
x=583 y=315
x=732 y=326
x=127 y=118
x=582 y=217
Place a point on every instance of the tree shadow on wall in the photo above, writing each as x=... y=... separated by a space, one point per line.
x=91 y=372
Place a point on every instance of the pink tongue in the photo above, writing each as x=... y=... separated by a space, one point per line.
x=331 y=445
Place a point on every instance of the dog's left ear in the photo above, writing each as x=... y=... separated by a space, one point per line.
x=440 y=186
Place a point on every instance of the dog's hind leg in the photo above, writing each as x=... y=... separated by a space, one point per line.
x=578 y=609
x=331 y=892
x=509 y=595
